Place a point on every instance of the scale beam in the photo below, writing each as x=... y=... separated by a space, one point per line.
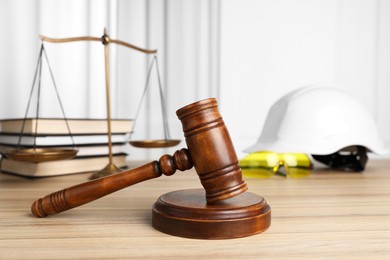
x=96 y=39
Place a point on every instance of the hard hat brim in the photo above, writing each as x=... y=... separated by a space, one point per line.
x=323 y=147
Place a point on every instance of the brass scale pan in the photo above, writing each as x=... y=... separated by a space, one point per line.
x=159 y=143
x=37 y=155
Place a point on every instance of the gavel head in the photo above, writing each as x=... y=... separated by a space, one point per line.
x=211 y=150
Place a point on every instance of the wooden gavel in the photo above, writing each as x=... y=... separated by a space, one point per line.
x=210 y=151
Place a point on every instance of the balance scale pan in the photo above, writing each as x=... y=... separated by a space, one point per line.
x=155 y=143
x=40 y=155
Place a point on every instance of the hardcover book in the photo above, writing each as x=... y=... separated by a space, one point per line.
x=58 y=126
x=79 y=164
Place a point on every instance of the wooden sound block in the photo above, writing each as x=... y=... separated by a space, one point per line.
x=185 y=213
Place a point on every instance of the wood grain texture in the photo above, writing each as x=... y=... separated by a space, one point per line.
x=327 y=215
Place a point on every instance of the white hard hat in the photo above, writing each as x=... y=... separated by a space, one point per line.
x=318 y=120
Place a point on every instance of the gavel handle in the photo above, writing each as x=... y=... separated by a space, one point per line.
x=89 y=191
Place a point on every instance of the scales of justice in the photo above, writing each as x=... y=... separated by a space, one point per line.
x=222 y=209
x=50 y=154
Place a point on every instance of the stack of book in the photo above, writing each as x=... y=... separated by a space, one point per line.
x=89 y=137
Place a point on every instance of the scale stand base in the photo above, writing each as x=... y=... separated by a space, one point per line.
x=108 y=170
x=185 y=213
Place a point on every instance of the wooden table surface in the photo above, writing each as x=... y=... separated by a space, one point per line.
x=329 y=214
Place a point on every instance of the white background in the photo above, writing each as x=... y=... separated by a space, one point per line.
x=246 y=53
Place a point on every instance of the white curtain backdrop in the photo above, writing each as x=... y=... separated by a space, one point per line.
x=185 y=33
x=247 y=53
